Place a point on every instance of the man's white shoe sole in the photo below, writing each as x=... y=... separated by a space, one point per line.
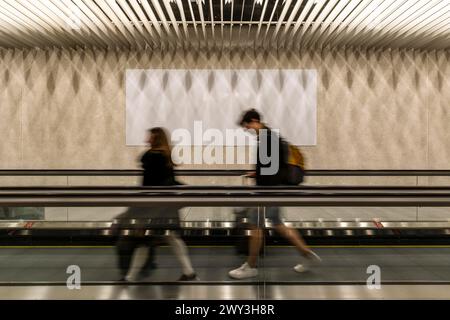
x=300 y=268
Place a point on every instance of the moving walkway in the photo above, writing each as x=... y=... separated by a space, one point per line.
x=413 y=255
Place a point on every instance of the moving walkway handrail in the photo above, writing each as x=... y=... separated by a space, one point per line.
x=286 y=188
x=226 y=196
x=214 y=172
x=201 y=225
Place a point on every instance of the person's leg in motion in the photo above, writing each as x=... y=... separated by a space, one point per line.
x=149 y=262
x=249 y=268
x=294 y=237
x=255 y=243
x=181 y=252
x=125 y=248
x=138 y=259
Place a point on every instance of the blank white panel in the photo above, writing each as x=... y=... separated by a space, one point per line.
x=176 y=99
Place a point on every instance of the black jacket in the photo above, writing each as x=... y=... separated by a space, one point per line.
x=157 y=169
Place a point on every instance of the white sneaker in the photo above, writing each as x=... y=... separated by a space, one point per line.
x=311 y=260
x=129 y=278
x=243 y=272
x=300 y=268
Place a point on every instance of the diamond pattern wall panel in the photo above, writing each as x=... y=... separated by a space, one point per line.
x=438 y=99
x=376 y=109
x=10 y=109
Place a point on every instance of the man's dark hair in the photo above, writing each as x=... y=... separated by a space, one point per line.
x=248 y=116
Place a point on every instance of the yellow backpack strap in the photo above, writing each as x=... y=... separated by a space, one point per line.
x=295 y=157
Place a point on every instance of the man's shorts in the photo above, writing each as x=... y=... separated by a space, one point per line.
x=257 y=217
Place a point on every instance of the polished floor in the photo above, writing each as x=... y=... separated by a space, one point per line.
x=340 y=266
x=225 y=292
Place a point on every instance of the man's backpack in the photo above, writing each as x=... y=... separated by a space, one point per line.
x=295 y=165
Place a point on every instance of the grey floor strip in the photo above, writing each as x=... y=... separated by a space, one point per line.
x=226 y=292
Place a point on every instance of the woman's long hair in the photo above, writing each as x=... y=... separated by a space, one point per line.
x=161 y=143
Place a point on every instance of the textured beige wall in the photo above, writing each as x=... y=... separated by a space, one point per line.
x=376 y=110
